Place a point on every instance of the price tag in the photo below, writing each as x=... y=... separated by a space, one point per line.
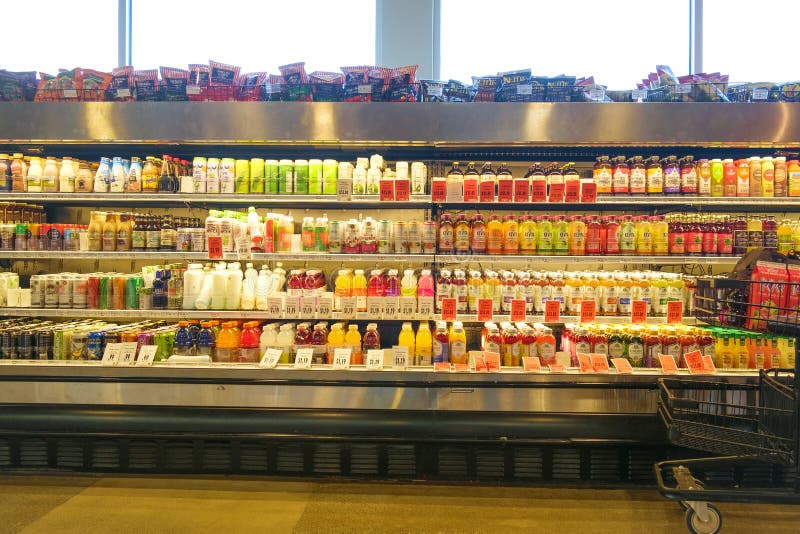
x=436 y=90
x=557 y=368
x=425 y=306
x=539 y=191
x=485 y=310
x=125 y=92
x=518 y=311
x=522 y=190
x=694 y=361
x=386 y=190
x=552 y=311
x=402 y=190
x=455 y=192
x=525 y=89
x=492 y=360
x=399 y=358
x=585 y=361
x=70 y=93
x=441 y=367
x=639 y=95
x=683 y=88
x=275 y=306
x=271 y=358
x=588 y=192
x=374 y=359
x=304 y=358
x=587 y=311
x=470 y=190
x=344 y=189
x=599 y=363
x=708 y=365
x=341 y=358
x=448 y=309
x=674 y=312
x=556 y=193
x=375 y=306
x=505 y=190
x=531 y=364
x=292 y=306
x=146 y=356
x=348 y=306
x=364 y=89
x=622 y=366
x=639 y=311
x=598 y=94
x=215 y=248
x=390 y=307
x=461 y=367
x=127 y=356
x=111 y=354
x=480 y=364
x=308 y=306
x=190 y=90
x=487 y=192
x=668 y=365
x=760 y=94
x=572 y=191
x=438 y=191
x=408 y=306
x=324 y=306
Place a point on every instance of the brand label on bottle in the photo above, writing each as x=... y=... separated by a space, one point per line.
x=603 y=180
x=621 y=181
x=636 y=354
x=638 y=181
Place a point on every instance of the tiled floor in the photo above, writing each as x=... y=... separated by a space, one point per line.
x=120 y=504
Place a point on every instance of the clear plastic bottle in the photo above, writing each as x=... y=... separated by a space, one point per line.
x=407 y=339
x=102 y=177
x=249 y=343
x=206 y=343
x=228 y=343
x=360 y=290
x=424 y=345
x=352 y=339
x=269 y=337
x=425 y=284
x=50 y=175
x=66 y=176
x=458 y=343
x=34 y=176
x=408 y=284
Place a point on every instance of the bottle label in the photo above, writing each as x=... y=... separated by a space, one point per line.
x=621 y=181
x=638 y=181
x=627 y=241
x=138 y=239
x=689 y=181
x=672 y=181
x=603 y=180
x=445 y=238
x=655 y=180
x=616 y=349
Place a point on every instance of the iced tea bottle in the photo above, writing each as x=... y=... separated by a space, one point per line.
x=478 y=235
x=544 y=235
x=688 y=176
x=494 y=235
x=780 y=179
x=621 y=174
x=638 y=176
x=560 y=236
x=655 y=176
x=462 y=234
x=602 y=174
x=446 y=234
x=644 y=236
x=527 y=235
x=577 y=236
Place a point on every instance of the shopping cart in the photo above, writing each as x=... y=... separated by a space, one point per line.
x=747 y=427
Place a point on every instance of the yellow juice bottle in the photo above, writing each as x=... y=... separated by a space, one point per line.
x=577 y=235
x=644 y=236
x=407 y=339
x=725 y=352
x=510 y=235
x=573 y=287
x=796 y=235
x=352 y=339
x=458 y=343
x=474 y=290
x=424 y=344
x=343 y=286
x=494 y=235
x=491 y=289
x=785 y=239
x=335 y=339
x=359 y=290
x=660 y=232
x=527 y=235
x=742 y=355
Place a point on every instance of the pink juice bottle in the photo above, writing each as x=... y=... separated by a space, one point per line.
x=425 y=283
x=375 y=287
x=391 y=285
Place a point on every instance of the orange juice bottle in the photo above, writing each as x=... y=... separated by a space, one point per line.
x=607 y=296
x=577 y=235
x=591 y=290
x=573 y=287
x=494 y=235
x=510 y=235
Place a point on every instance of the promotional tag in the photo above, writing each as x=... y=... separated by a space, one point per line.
x=505 y=190
x=521 y=190
x=402 y=190
x=587 y=311
x=344 y=189
x=147 y=354
x=539 y=191
x=557 y=368
x=111 y=354
x=485 y=310
x=271 y=358
x=639 y=311
x=448 y=309
x=694 y=361
x=399 y=358
x=674 y=312
x=556 y=193
x=470 y=190
x=552 y=311
x=492 y=360
x=438 y=191
x=599 y=363
x=531 y=364
x=215 y=248
x=668 y=365
x=341 y=358
x=455 y=192
x=127 y=355
x=375 y=359
x=572 y=191
x=487 y=192
x=386 y=190
x=480 y=364
x=461 y=367
x=303 y=358
x=441 y=367
x=585 y=361
x=588 y=192
x=622 y=366
x=518 y=311
x=708 y=365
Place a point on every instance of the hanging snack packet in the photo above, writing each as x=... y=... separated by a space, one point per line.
x=250 y=87
x=173 y=84
x=222 y=79
x=275 y=90
x=515 y=86
x=17 y=86
x=94 y=85
x=456 y=91
x=121 y=86
x=431 y=91
x=665 y=76
x=146 y=85
x=356 y=85
x=379 y=78
x=297 y=87
x=326 y=86
x=68 y=85
x=485 y=88
x=402 y=84
x=197 y=84
x=46 y=89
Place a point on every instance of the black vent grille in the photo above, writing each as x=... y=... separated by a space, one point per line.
x=401 y=461
x=605 y=465
x=33 y=453
x=328 y=459
x=566 y=464
x=217 y=456
x=69 y=454
x=528 y=463
x=640 y=465
x=453 y=462
x=106 y=455
x=490 y=463
x=290 y=459
x=178 y=455
x=5 y=453
x=364 y=460
x=254 y=456
x=143 y=455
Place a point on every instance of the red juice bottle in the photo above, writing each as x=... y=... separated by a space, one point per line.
x=688 y=176
x=372 y=339
x=593 y=236
x=677 y=237
x=582 y=345
x=391 y=284
x=740 y=236
x=446 y=235
x=375 y=287
x=444 y=287
x=528 y=341
x=709 y=229
x=694 y=237
x=725 y=237
x=612 y=236
x=547 y=346
x=494 y=341
x=512 y=348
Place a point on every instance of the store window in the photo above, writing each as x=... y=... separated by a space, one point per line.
x=48 y=35
x=751 y=43
x=617 y=41
x=256 y=36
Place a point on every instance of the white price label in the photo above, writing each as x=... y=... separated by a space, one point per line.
x=390 y=307
x=374 y=306
x=455 y=192
x=683 y=88
x=271 y=358
x=190 y=90
x=525 y=89
x=304 y=358
x=597 y=93
x=274 y=306
x=70 y=93
x=124 y=92
x=291 y=307
x=408 y=306
x=341 y=358
x=325 y=307
x=146 y=356
x=308 y=306
x=425 y=306
x=435 y=90
x=111 y=354
x=348 y=306
x=128 y=354
x=364 y=89
x=344 y=189
x=639 y=94
x=760 y=94
x=375 y=359
x=399 y=358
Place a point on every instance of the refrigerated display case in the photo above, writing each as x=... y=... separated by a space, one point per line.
x=415 y=422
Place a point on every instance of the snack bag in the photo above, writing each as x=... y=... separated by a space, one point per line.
x=559 y=88
x=121 y=86
x=326 y=86
x=297 y=87
x=250 y=86
x=11 y=87
x=486 y=87
x=173 y=84
x=456 y=91
x=45 y=90
x=222 y=79
x=95 y=85
x=275 y=88
x=664 y=76
x=767 y=294
x=197 y=84
x=402 y=84
x=68 y=85
x=514 y=86
x=146 y=85
x=431 y=91
x=356 y=84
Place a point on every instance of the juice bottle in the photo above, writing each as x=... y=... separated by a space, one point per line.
x=740 y=236
x=527 y=338
x=636 y=355
x=441 y=343
x=725 y=357
x=724 y=237
x=249 y=343
x=755 y=233
x=406 y=338
x=573 y=287
x=478 y=235
x=599 y=339
x=372 y=339
x=508 y=289
x=705 y=342
x=655 y=176
x=527 y=235
x=755 y=177
x=644 y=236
x=602 y=175
x=717 y=178
x=658 y=295
x=319 y=338
x=608 y=298
x=512 y=347
x=183 y=345
x=375 y=284
x=546 y=342
x=458 y=343
x=544 y=235
x=621 y=174
x=352 y=339
x=612 y=240
x=492 y=289
x=624 y=294
x=672 y=176
x=708 y=227
x=493 y=340
x=510 y=235
x=446 y=234
x=455 y=175
x=554 y=176
x=408 y=284
x=793 y=178
x=729 y=178
x=741 y=355
x=593 y=236
x=796 y=235
x=474 y=287
x=335 y=340
x=780 y=176
x=359 y=290
x=558 y=291
x=525 y=289
x=785 y=243
x=425 y=284
x=424 y=344
x=688 y=176
x=742 y=178
x=627 y=236
x=703 y=170
x=228 y=343
x=767 y=177
x=343 y=286
x=652 y=346
x=494 y=235
x=391 y=284
x=660 y=232
x=488 y=175
x=462 y=234
x=769 y=227
x=460 y=290
x=638 y=176
x=444 y=287
x=577 y=235
x=560 y=236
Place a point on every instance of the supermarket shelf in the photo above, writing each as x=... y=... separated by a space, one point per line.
x=633 y=260
x=361 y=258
x=658 y=203
x=179 y=199
x=203 y=256
x=613 y=319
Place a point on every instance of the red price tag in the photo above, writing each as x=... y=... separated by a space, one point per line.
x=587 y=311
x=505 y=190
x=622 y=366
x=387 y=190
x=470 y=190
x=492 y=360
x=215 y=248
x=585 y=361
x=448 y=309
x=552 y=311
x=522 y=190
x=531 y=364
x=539 y=191
x=639 y=311
x=599 y=363
x=674 y=311
x=461 y=367
x=557 y=193
x=401 y=190
x=708 y=365
x=589 y=192
x=438 y=191
x=484 y=310
x=668 y=365
x=441 y=367
x=572 y=191
x=487 y=191
x=480 y=364
x=518 y=311
x=557 y=368
x=694 y=360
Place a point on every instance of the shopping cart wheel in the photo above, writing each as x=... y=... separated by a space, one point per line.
x=711 y=524
x=683 y=505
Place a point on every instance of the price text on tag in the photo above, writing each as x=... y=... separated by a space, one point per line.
x=399 y=358
x=639 y=311
x=341 y=358
x=552 y=311
x=485 y=310
x=557 y=368
x=589 y=192
x=402 y=190
x=487 y=192
x=518 y=310
x=492 y=360
x=111 y=354
x=271 y=358
x=386 y=190
x=585 y=361
x=556 y=192
x=622 y=366
x=374 y=359
x=531 y=364
x=668 y=365
x=146 y=355
x=348 y=306
x=480 y=364
x=215 y=248
x=127 y=355
x=708 y=365
x=694 y=361
x=599 y=363
x=448 y=309
x=441 y=367
x=470 y=190
x=438 y=191
x=587 y=311
x=674 y=312
x=304 y=358
x=344 y=189
x=521 y=191
x=505 y=190
x=539 y=191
